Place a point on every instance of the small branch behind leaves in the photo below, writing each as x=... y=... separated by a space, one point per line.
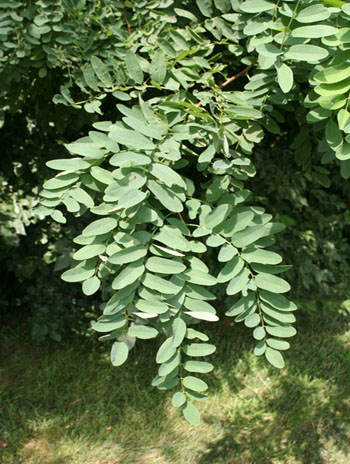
x=233 y=78
x=127 y=22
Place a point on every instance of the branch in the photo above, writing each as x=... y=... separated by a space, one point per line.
x=127 y=22
x=232 y=78
x=236 y=76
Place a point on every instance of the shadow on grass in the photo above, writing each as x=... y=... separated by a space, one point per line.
x=304 y=414
x=60 y=401
x=73 y=393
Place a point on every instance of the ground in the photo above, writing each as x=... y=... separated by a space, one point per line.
x=65 y=403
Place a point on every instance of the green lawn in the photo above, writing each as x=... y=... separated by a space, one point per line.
x=66 y=404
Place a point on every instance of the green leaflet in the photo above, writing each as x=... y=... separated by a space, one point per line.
x=82 y=197
x=142 y=331
x=238 y=283
x=237 y=222
x=91 y=286
x=196 y=276
x=71 y=205
x=282 y=332
x=270 y=268
x=259 y=333
x=247 y=313
x=131 y=198
x=279 y=302
x=256 y=27
x=89 y=150
x=272 y=283
x=310 y=53
x=102 y=140
x=260 y=348
x=337 y=88
x=158 y=67
x=58 y=217
x=130 y=138
x=170 y=252
x=278 y=344
x=230 y=270
x=179 y=331
x=178 y=399
x=191 y=334
x=217 y=216
x=344 y=120
x=109 y=323
x=189 y=410
x=343 y=153
x=143 y=128
x=205 y=7
x=199 y=293
x=164 y=266
x=102 y=175
x=101 y=71
x=72 y=164
x=207 y=155
x=252 y=320
x=314 y=31
x=268 y=50
x=199 y=349
x=195 y=384
x=241 y=305
x=128 y=275
x=129 y=158
x=133 y=67
x=284 y=76
x=172 y=237
x=259 y=255
x=119 y=353
x=312 y=14
x=90 y=77
x=100 y=226
x=248 y=236
x=158 y=283
x=167 y=175
x=89 y=251
x=128 y=255
x=280 y=316
x=226 y=253
x=333 y=74
x=83 y=271
x=61 y=181
x=151 y=306
x=198 y=305
x=198 y=366
x=166 y=351
x=274 y=357
x=334 y=136
x=202 y=315
x=256 y=6
x=169 y=366
x=165 y=196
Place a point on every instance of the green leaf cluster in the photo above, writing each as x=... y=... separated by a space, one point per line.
x=168 y=178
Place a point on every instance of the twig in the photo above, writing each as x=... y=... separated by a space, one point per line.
x=127 y=22
x=181 y=218
x=233 y=78
x=244 y=71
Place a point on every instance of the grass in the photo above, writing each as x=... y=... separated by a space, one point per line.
x=65 y=403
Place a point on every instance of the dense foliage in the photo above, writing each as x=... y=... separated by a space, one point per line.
x=196 y=120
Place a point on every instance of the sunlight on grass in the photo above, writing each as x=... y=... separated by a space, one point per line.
x=65 y=404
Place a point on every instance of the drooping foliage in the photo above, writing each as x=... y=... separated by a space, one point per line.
x=181 y=98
